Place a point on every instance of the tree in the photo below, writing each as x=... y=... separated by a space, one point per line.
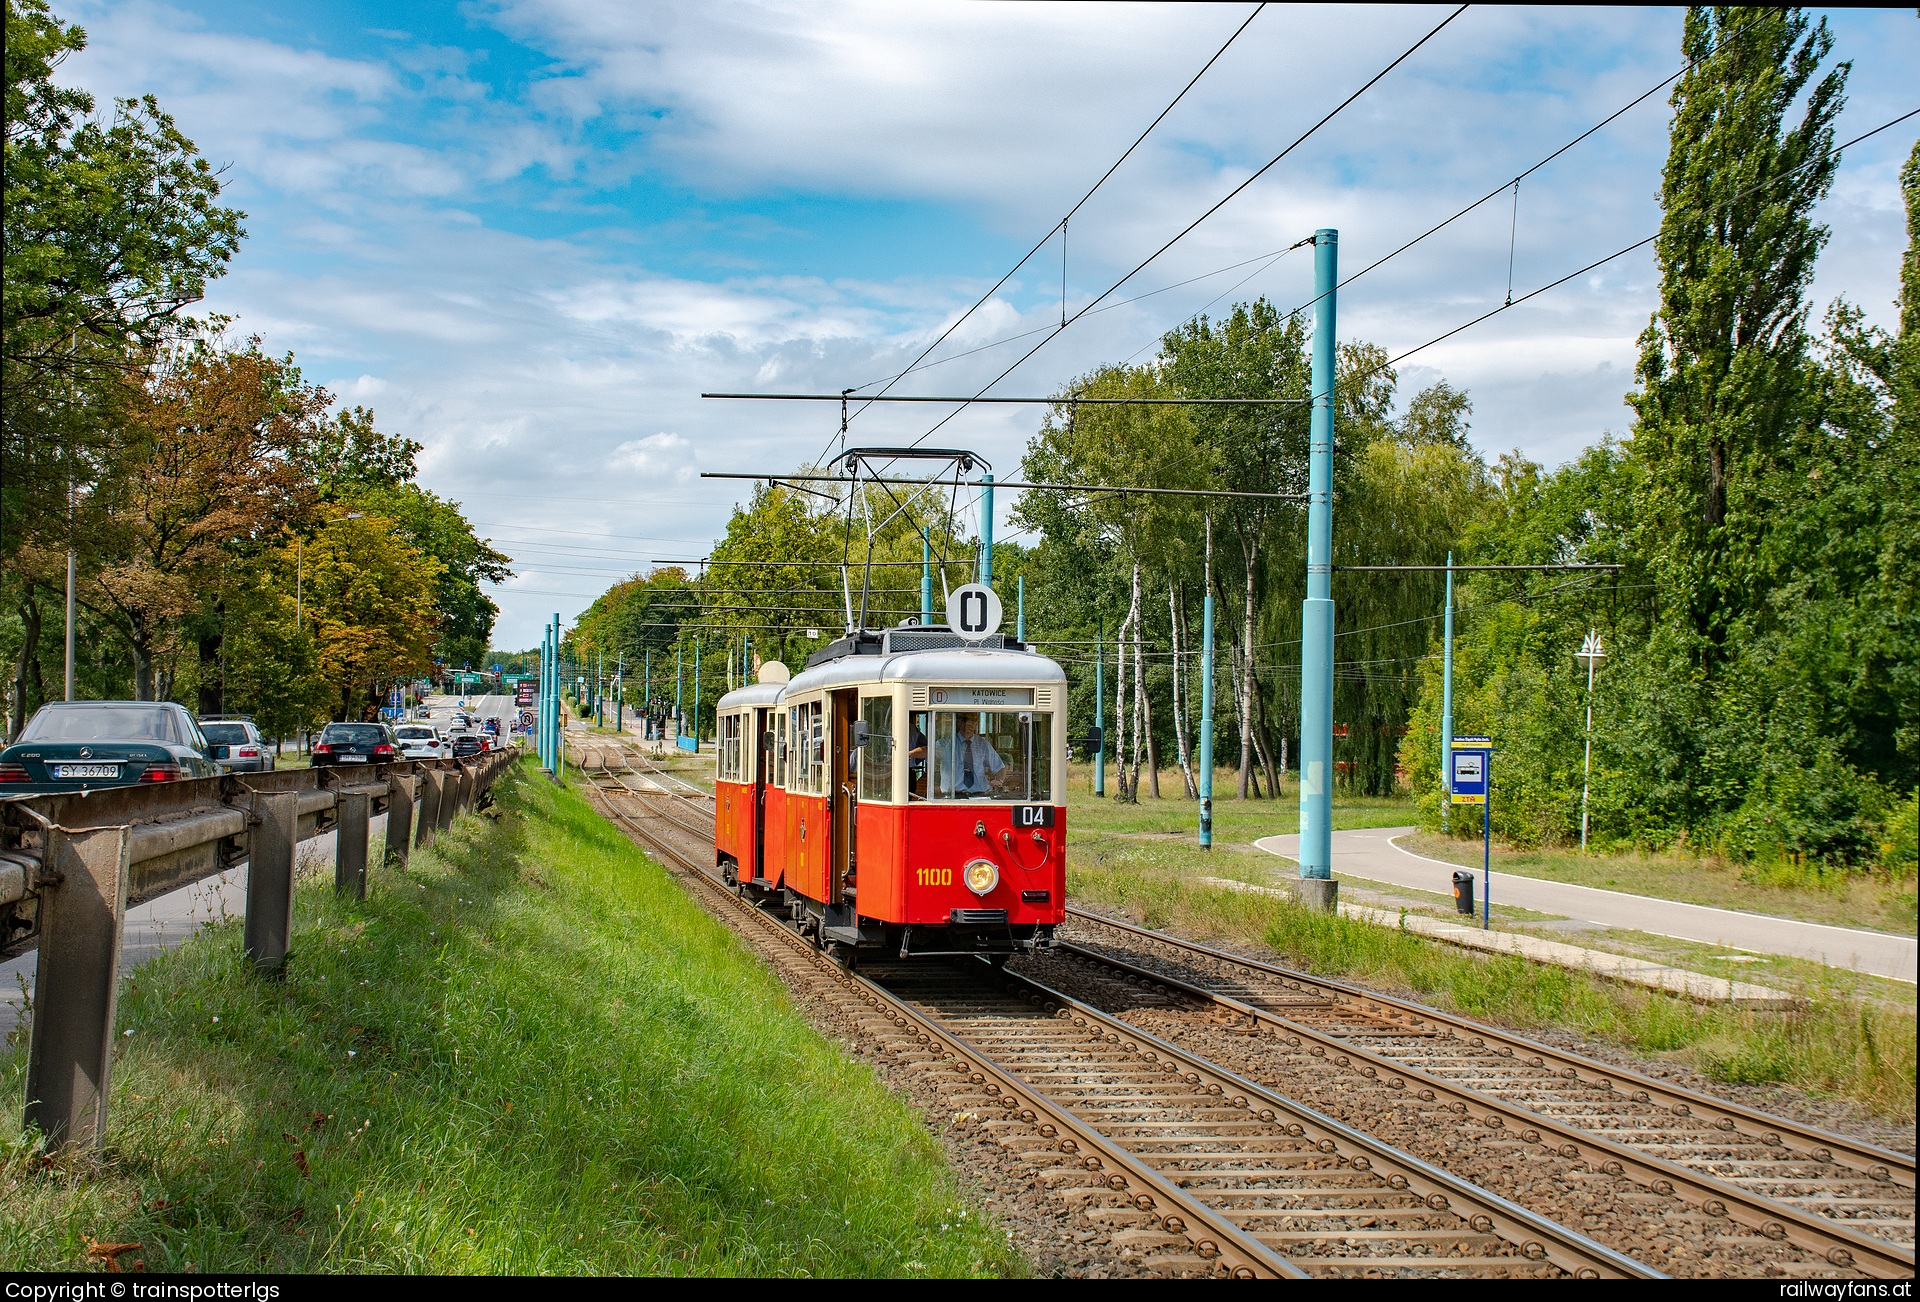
x=432 y=524
x=204 y=480
x=370 y=596
x=111 y=227
x=1722 y=362
x=1254 y=353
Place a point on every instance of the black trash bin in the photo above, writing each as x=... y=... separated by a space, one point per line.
x=1463 y=893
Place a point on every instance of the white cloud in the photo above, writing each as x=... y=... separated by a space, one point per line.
x=536 y=272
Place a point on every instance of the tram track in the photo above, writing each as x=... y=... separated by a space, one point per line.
x=1197 y=1170
x=1849 y=1203
x=1758 y=1193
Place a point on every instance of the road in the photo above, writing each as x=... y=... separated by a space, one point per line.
x=159 y=925
x=1372 y=854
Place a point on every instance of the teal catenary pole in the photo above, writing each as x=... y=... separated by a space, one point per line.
x=1100 y=710
x=1446 y=707
x=1316 y=613
x=1020 y=619
x=696 y=695
x=679 y=689
x=1206 y=701
x=986 y=530
x=926 y=578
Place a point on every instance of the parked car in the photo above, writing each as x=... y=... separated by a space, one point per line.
x=237 y=744
x=466 y=744
x=420 y=741
x=354 y=743
x=86 y=745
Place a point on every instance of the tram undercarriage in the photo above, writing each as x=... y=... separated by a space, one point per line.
x=839 y=930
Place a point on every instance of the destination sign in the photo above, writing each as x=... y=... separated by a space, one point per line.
x=981 y=696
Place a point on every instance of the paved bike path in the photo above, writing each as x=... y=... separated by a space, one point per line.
x=1371 y=853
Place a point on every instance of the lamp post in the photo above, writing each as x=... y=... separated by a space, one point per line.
x=1590 y=654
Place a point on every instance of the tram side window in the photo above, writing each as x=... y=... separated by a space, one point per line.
x=780 y=748
x=796 y=749
x=817 y=748
x=917 y=755
x=876 y=757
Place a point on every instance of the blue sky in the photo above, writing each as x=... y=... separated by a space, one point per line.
x=529 y=232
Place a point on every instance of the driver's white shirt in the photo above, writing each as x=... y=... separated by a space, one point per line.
x=986 y=762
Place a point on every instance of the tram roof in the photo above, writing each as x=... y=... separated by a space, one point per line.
x=948 y=665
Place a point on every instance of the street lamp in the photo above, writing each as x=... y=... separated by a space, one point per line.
x=1590 y=654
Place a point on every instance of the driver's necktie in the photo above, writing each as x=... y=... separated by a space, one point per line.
x=966 y=770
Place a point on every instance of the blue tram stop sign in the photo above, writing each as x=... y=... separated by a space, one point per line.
x=1471 y=760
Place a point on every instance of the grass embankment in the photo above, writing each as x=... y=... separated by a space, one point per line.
x=1837 y=898
x=1835 y=1046
x=531 y=1052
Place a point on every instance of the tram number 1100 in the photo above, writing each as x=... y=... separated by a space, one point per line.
x=933 y=876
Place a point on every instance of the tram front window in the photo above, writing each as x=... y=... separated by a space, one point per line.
x=980 y=755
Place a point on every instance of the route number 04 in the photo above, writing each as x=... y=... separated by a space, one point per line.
x=933 y=876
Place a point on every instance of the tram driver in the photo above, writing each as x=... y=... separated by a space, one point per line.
x=971 y=762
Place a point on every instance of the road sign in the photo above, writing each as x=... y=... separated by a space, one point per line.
x=973 y=611
x=1471 y=762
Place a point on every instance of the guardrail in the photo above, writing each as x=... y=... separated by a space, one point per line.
x=71 y=863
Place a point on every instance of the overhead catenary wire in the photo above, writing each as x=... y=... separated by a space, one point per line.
x=1835 y=152
x=1080 y=203
x=1216 y=207
x=1515 y=182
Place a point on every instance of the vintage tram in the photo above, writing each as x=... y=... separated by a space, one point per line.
x=903 y=795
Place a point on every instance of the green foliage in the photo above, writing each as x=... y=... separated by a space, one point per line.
x=435 y=526
x=531 y=1052
x=112 y=226
x=1763 y=681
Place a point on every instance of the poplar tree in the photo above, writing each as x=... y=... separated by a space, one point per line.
x=1722 y=362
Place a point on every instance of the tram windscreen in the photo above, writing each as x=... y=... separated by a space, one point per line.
x=980 y=755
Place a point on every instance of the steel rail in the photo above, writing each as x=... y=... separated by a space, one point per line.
x=1569 y=1249
x=1835 y=1241
x=1873 y=1162
x=1213 y=1237
x=1537 y=1237
x=1839 y=1244
x=1773 y=1219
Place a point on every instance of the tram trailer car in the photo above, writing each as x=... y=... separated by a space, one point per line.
x=904 y=795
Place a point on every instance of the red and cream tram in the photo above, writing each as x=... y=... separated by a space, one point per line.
x=903 y=795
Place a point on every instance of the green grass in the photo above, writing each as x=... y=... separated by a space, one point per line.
x=530 y=1053
x=1837 y=898
x=1234 y=820
x=1837 y=1046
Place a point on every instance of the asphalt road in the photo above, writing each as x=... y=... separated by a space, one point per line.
x=159 y=925
x=1372 y=854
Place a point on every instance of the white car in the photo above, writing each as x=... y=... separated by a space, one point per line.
x=421 y=741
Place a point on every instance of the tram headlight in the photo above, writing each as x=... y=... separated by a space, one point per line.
x=981 y=875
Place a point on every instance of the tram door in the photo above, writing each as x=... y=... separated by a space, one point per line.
x=762 y=774
x=840 y=774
